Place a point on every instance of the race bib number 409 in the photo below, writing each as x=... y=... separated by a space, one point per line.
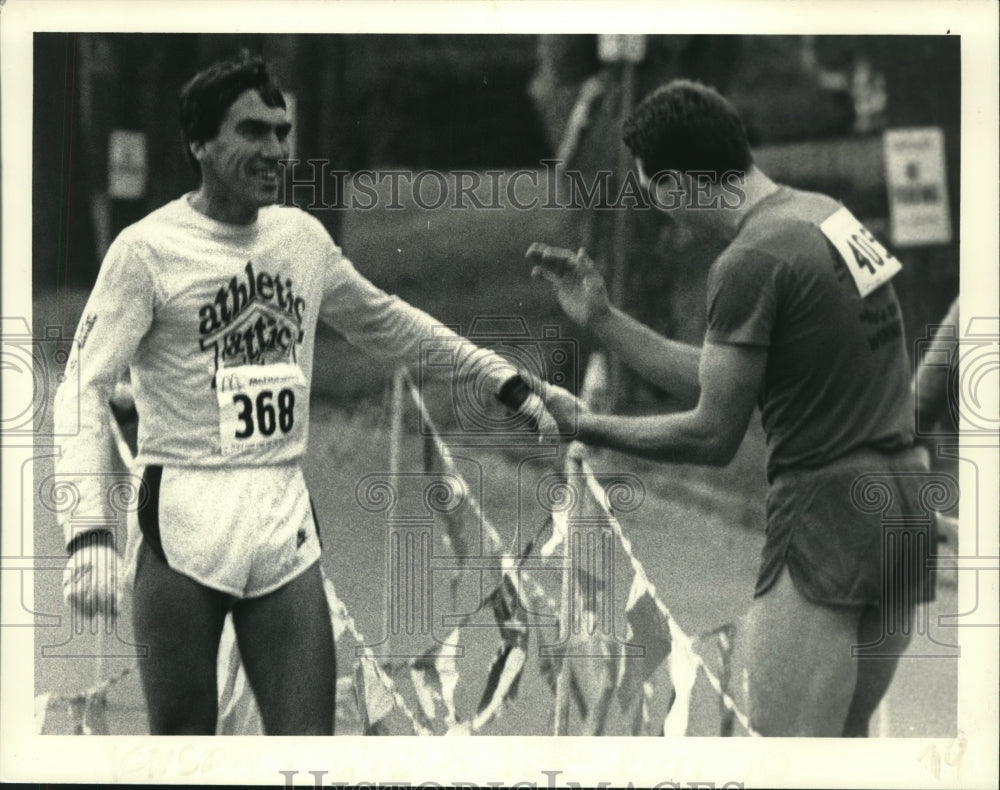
x=262 y=412
x=871 y=265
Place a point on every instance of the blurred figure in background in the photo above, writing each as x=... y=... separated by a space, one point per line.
x=935 y=389
x=804 y=324
x=935 y=386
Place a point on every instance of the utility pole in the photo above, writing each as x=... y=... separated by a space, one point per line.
x=622 y=52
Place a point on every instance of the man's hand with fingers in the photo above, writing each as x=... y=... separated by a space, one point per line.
x=561 y=405
x=519 y=395
x=579 y=286
x=90 y=579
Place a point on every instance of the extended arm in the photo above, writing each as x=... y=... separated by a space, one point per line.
x=386 y=325
x=731 y=377
x=670 y=365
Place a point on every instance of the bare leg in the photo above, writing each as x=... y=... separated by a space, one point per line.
x=876 y=666
x=286 y=643
x=181 y=622
x=802 y=675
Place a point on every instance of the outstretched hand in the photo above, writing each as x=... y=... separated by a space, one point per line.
x=560 y=405
x=579 y=286
x=545 y=424
x=518 y=395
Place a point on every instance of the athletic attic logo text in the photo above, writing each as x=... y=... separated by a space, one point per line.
x=254 y=319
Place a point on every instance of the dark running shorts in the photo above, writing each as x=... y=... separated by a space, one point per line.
x=857 y=532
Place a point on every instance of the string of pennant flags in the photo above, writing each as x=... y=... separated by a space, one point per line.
x=678 y=638
x=591 y=685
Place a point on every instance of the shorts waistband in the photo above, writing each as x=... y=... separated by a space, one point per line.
x=862 y=457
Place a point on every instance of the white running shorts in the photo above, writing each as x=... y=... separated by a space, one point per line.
x=245 y=531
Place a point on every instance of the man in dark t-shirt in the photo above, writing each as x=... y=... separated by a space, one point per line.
x=837 y=374
x=803 y=323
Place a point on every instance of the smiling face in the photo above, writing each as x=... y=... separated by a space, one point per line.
x=239 y=166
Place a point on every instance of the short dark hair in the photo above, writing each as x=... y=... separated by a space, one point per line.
x=205 y=99
x=685 y=126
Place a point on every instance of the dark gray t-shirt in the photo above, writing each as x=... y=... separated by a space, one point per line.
x=837 y=376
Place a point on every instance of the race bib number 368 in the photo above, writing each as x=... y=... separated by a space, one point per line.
x=871 y=265
x=262 y=412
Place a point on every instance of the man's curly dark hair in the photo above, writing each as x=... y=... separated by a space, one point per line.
x=684 y=126
x=205 y=99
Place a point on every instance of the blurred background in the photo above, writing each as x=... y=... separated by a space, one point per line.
x=107 y=147
x=824 y=112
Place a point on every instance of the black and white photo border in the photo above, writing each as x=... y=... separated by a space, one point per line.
x=969 y=760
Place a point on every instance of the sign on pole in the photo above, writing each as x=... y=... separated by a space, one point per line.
x=127 y=168
x=615 y=48
x=918 y=189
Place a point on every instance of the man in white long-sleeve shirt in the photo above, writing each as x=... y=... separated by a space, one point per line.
x=211 y=302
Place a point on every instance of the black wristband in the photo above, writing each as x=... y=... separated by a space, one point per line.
x=514 y=392
x=124 y=414
x=90 y=537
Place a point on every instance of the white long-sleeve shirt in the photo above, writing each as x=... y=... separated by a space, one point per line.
x=193 y=308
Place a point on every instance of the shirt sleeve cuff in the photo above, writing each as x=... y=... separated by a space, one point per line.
x=91 y=537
